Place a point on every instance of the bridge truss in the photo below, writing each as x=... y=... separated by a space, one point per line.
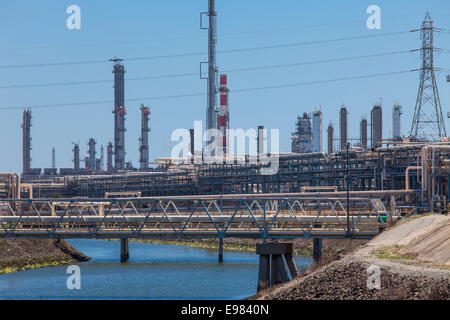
x=188 y=217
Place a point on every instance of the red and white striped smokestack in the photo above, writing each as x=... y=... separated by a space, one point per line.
x=224 y=116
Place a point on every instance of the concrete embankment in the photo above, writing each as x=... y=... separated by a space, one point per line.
x=25 y=254
x=413 y=258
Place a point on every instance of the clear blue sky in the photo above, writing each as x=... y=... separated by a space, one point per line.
x=35 y=32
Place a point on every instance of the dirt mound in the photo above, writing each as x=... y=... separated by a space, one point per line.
x=347 y=280
x=413 y=259
x=23 y=254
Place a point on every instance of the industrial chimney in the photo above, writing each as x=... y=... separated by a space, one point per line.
x=76 y=158
x=396 y=123
x=109 y=157
x=26 y=142
x=363 y=132
x=377 y=125
x=143 y=149
x=119 y=114
x=224 y=115
x=343 y=127
x=330 y=132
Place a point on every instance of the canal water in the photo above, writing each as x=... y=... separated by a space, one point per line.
x=154 y=271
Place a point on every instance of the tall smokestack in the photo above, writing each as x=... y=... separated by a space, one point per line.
x=102 y=158
x=26 y=142
x=143 y=149
x=119 y=114
x=192 y=145
x=363 y=132
x=260 y=140
x=211 y=109
x=53 y=158
x=343 y=127
x=76 y=158
x=377 y=125
x=330 y=132
x=317 y=131
x=109 y=157
x=224 y=115
x=396 y=123
x=91 y=155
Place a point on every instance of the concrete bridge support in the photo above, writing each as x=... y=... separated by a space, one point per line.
x=317 y=250
x=124 y=252
x=273 y=269
x=220 y=249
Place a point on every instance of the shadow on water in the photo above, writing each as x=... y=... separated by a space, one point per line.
x=154 y=271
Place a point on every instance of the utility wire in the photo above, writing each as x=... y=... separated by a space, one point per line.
x=289 y=85
x=180 y=75
x=287 y=45
x=181 y=37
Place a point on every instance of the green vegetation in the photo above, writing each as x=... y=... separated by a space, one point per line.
x=211 y=244
x=392 y=253
x=35 y=263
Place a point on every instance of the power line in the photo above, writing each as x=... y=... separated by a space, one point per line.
x=202 y=94
x=180 y=75
x=180 y=37
x=287 y=45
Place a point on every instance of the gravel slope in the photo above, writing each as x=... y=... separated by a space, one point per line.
x=413 y=258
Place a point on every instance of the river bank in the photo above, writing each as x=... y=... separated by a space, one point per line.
x=25 y=254
x=413 y=259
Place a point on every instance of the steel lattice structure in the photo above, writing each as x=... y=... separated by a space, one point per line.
x=428 y=122
x=186 y=217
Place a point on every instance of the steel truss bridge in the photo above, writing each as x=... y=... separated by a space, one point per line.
x=193 y=217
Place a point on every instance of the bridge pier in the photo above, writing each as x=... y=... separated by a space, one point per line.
x=317 y=250
x=220 y=250
x=124 y=252
x=272 y=266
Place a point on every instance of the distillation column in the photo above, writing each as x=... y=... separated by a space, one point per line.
x=143 y=149
x=26 y=142
x=119 y=114
x=76 y=158
x=109 y=157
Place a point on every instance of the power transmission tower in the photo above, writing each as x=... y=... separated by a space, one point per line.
x=428 y=122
